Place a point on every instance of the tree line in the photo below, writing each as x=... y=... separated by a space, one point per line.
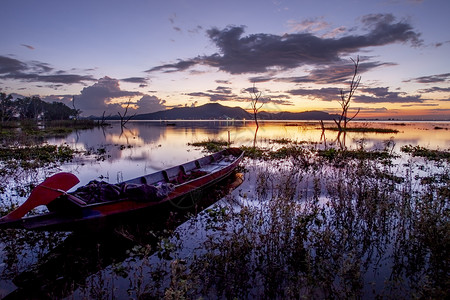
x=33 y=108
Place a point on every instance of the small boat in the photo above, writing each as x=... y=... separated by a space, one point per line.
x=96 y=201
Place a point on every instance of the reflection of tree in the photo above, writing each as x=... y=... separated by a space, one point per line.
x=124 y=119
x=81 y=259
x=293 y=243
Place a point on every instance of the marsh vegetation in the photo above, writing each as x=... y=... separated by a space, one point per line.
x=307 y=222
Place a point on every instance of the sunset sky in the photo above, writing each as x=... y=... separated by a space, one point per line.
x=163 y=54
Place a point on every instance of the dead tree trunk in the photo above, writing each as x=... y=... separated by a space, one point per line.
x=255 y=97
x=123 y=118
x=345 y=100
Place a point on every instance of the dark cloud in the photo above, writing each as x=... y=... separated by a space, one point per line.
x=370 y=95
x=221 y=89
x=96 y=99
x=195 y=30
x=440 y=44
x=223 y=81
x=141 y=80
x=257 y=53
x=261 y=79
x=181 y=65
x=324 y=94
x=66 y=99
x=149 y=104
x=27 y=46
x=11 y=65
x=277 y=99
x=431 y=79
x=435 y=89
x=221 y=93
x=336 y=73
x=420 y=104
x=35 y=71
x=383 y=95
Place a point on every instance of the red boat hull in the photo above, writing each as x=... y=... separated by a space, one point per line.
x=69 y=215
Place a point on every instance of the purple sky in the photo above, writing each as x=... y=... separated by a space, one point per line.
x=161 y=54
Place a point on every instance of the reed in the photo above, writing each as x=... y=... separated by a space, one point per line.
x=305 y=223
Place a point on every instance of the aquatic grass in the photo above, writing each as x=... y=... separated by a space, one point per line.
x=282 y=141
x=36 y=156
x=418 y=151
x=365 y=129
x=30 y=132
x=285 y=241
x=211 y=145
x=305 y=224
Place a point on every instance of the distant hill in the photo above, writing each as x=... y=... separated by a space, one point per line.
x=204 y=112
x=219 y=112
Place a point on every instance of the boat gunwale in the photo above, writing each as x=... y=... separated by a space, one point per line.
x=33 y=222
x=237 y=159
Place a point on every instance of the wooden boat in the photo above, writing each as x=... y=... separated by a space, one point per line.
x=100 y=200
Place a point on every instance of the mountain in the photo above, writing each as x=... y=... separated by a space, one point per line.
x=204 y=112
x=219 y=112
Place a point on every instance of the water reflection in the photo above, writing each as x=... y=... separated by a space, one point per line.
x=144 y=147
x=69 y=260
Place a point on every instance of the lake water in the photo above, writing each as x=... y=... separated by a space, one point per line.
x=145 y=147
x=91 y=265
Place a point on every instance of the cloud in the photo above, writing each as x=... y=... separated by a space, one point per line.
x=181 y=65
x=324 y=94
x=445 y=77
x=149 y=104
x=27 y=46
x=259 y=53
x=261 y=79
x=272 y=99
x=382 y=95
x=221 y=93
x=97 y=98
x=371 y=95
x=435 y=89
x=66 y=99
x=141 y=80
x=36 y=71
x=336 y=73
x=11 y=66
x=221 y=89
x=308 y=25
x=223 y=81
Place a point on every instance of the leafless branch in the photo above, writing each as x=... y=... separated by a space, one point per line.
x=123 y=118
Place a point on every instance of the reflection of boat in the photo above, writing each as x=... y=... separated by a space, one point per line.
x=85 y=253
x=98 y=200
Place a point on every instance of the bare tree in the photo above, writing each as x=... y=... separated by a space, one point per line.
x=123 y=118
x=77 y=112
x=255 y=98
x=346 y=99
x=102 y=122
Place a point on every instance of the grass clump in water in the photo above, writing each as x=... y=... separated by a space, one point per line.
x=419 y=151
x=211 y=145
x=365 y=129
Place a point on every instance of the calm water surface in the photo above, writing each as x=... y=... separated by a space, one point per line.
x=117 y=154
x=145 y=147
